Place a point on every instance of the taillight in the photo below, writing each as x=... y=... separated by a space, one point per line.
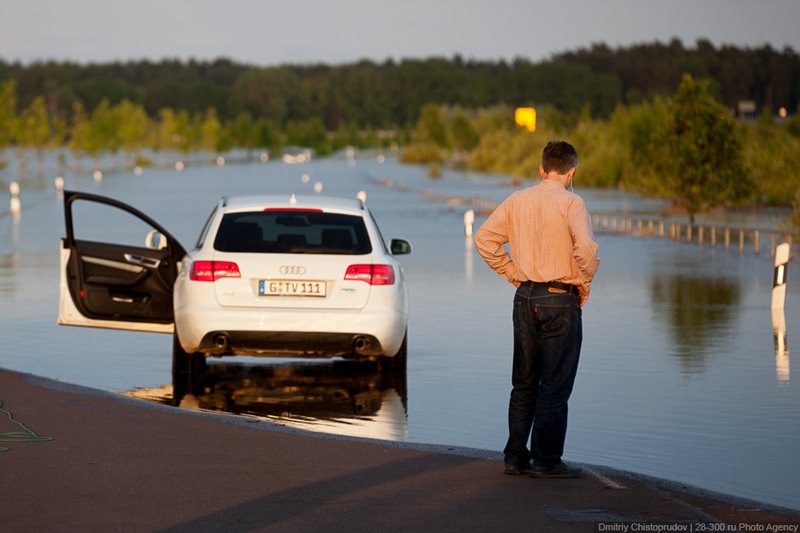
x=214 y=270
x=372 y=274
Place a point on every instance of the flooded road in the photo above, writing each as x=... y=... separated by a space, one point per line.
x=679 y=377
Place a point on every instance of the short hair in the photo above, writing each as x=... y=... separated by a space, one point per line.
x=559 y=156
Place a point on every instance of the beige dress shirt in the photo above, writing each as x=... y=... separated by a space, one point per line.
x=549 y=233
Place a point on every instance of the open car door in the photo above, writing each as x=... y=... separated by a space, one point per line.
x=117 y=268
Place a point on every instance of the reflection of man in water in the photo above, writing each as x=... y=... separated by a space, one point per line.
x=553 y=260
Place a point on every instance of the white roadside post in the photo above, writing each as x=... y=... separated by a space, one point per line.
x=782 y=255
x=469 y=222
x=15 y=206
x=58 y=183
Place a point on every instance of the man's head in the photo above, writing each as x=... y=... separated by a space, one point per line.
x=560 y=158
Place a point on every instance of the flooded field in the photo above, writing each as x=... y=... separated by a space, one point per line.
x=681 y=376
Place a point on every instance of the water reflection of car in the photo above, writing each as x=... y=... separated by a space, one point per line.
x=339 y=396
x=269 y=275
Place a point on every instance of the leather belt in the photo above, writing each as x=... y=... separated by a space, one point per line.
x=572 y=289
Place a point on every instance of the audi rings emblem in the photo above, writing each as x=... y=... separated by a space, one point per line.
x=294 y=270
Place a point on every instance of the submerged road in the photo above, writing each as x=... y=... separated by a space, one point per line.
x=116 y=463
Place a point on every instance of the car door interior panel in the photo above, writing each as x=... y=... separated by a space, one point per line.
x=103 y=284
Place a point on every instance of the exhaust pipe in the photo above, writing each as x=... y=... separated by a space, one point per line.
x=361 y=345
x=222 y=340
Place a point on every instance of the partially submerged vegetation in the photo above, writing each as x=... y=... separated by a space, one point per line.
x=632 y=128
x=687 y=148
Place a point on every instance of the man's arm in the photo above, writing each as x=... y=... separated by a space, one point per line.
x=490 y=241
x=584 y=249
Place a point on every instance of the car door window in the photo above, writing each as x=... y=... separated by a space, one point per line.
x=96 y=222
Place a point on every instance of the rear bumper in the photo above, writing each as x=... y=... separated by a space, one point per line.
x=291 y=332
x=290 y=343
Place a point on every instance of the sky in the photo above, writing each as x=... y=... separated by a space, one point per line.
x=270 y=32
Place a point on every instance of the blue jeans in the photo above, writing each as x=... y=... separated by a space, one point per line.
x=548 y=331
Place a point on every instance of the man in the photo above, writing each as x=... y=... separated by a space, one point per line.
x=553 y=260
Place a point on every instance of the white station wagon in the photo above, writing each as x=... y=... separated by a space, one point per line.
x=269 y=275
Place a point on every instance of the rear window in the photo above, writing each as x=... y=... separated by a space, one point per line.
x=292 y=232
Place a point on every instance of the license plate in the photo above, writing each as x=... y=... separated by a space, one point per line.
x=288 y=287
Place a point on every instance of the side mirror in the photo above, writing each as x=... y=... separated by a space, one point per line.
x=155 y=240
x=399 y=247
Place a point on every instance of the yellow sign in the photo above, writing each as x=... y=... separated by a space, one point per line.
x=526 y=118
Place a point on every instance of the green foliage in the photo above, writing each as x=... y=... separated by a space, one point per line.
x=771 y=158
x=431 y=128
x=796 y=214
x=636 y=135
x=33 y=126
x=704 y=164
x=462 y=134
x=794 y=125
x=133 y=126
x=391 y=94
x=308 y=133
x=8 y=113
x=602 y=159
x=422 y=153
x=508 y=152
x=104 y=129
x=267 y=135
x=210 y=130
x=241 y=131
x=78 y=130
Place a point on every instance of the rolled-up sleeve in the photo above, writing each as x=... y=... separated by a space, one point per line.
x=490 y=241
x=584 y=248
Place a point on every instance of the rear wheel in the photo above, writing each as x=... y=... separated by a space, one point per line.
x=399 y=362
x=187 y=371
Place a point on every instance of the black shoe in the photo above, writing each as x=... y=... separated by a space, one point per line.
x=560 y=470
x=518 y=470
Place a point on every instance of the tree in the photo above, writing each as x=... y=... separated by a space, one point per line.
x=210 y=130
x=133 y=126
x=8 y=112
x=462 y=133
x=167 y=135
x=267 y=136
x=431 y=128
x=705 y=166
x=241 y=132
x=33 y=127
x=8 y=116
x=308 y=134
x=104 y=129
x=78 y=131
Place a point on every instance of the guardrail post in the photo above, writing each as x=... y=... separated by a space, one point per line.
x=741 y=240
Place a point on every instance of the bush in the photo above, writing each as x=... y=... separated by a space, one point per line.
x=422 y=153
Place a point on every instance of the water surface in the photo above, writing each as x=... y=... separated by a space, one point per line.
x=679 y=375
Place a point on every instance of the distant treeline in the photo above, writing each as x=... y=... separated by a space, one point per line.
x=390 y=94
